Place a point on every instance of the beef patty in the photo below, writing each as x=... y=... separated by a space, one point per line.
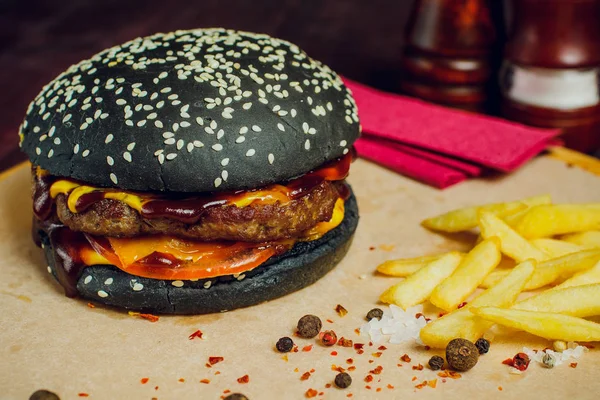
x=253 y=223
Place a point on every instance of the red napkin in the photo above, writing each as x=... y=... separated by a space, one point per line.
x=452 y=140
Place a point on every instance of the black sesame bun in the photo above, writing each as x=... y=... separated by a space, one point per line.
x=191 y=111
x=177 y=116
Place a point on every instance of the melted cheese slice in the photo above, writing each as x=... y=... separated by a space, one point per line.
x=197 y=260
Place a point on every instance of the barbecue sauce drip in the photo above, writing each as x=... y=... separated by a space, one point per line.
x=42 y=201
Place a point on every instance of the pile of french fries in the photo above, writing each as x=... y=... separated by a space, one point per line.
x=552 y=247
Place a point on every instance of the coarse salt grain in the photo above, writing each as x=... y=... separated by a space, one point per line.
x=573 y=351
x=395 y=326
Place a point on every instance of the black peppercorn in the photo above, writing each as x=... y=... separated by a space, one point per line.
x=375 y=313
x=309 y=326
x=236 y=396
x=343 y=380
x=482 y=345
x=436 y=363
x=461 y=354
x=284 y=345
x=43 y=395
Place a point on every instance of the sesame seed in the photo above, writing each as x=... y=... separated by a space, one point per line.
x=121 y=102
x=131 y=146
x=185 y=124
x=343 y=143
x=127 y=156
x=190 y=147
x=177 y=283
x=50 y=153
x=180 y=144
x=51 y=131
x=307 y=145
x=225 y=162
x=110 y=161
x=250 y=152
x=171 y=156
x=85 y=153
x=218 y=182
x=137 y=287
x=141 y=123
x=57 y=141
x=256 y=128
x=345 y=151
x=207 y=284
x=243 y=130
x=281 y=127
x=224 y=175
x=217 y=147
x=113 y=178
x=198 y=143
x=102 y=293
x=247 y=106
x=108 y=281
x=199 y=121
x=271 y=158
x=87 y=279
x=38 y=151
x=348 y=119
x=240 y=139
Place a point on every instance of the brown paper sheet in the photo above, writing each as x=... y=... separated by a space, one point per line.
x=53 y=342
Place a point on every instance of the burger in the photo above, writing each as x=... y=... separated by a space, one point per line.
x=192 y=172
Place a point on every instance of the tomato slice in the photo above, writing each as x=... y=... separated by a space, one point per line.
x=163 y=257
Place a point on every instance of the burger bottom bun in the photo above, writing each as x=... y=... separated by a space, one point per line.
x=301 y=266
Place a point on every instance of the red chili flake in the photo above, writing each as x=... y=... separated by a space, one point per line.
x=155 y=387
x=371 y=361
x=419 y=315
x=312 y=371
x=377 y=370
x=83 y=395
x=198 y=334
x=357 y=331
x=330 y=321
x=349 y=395
x=349 y=361
x=398 y=365
x=321 y=393
x=573 y=365
x=181 y=380
x=307 y=348
x=205 y=381
x=360 y=351
x=421 y=385
x=443 y=380
x=389 y=386
x=295 y=349
x=369 y=378
x=226 y=391
x=371 y=248
x=432 y=383
x=461 y=305
x=377 y=355
x=414 y=378
x=382 y=348
x=285 y=358
x=358 y=346
x=521 y=361
x=449 y=374
x=334 y=353
x=90 y=305
x=345 y=342
x=328 y=338
x=337 y=368
x=378 y=389
x=208 y=365
x=296 y=369
x=417 y=367
x=368 y=387
x=214 y=360
x=305 y=376
x=150 y=317
x=341 y=310
x=508 y=361
x=244 y=379
x=217 y=372
x=311 y=393
x=351 y=368
x=328 y=385
x=427 y=348
x=500 y=388
x=143 y=381
x=440 y=315
x=370 y=343
x=405 y=358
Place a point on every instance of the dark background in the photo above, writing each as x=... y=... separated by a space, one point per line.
x=362 y=39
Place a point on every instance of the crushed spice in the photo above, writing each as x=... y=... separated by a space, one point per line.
x=377 y=354
x=328 y=338
x=90 y=305
x=334 y=353
x=432 y=383
x=196 y=335
x=421 y=385
x=143 y=381
x=377 y=370
x=205 y=381
x=349 y=361
x=181 y=380
x=307 y=348
x=83 y=394
x=405 y=358
x=243 y=379
x=341 y=310
x=461 y=305
x=351 y=368
x=449 y=374
x=369 y=378
x=330 y=321
x=390 y=386
x=310 y=393
x=214 y=360
x=382 y=348
x=417 y=367
x=573 y=365
x=305 y=376
x=345 y=342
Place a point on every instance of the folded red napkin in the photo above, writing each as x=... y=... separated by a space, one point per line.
x=452 y=140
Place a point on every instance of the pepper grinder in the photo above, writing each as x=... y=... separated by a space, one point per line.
x=551 y=71
x=447 y=59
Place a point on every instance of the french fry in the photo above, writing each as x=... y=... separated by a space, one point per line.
x=550 y=220
x=511 y=243
x=555 y=248
x=513 y=219
x=464 y=219
x=406 y=266
x=550 y=271
x=544 y=324
x=462 y=323
x=589 y=239
x=470 y=273
x=417 y=287
x=586 y=277
x=577 y=301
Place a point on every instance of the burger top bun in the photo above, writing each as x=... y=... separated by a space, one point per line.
x=191 y=111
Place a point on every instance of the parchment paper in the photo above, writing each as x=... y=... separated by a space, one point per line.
x=50 y=341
